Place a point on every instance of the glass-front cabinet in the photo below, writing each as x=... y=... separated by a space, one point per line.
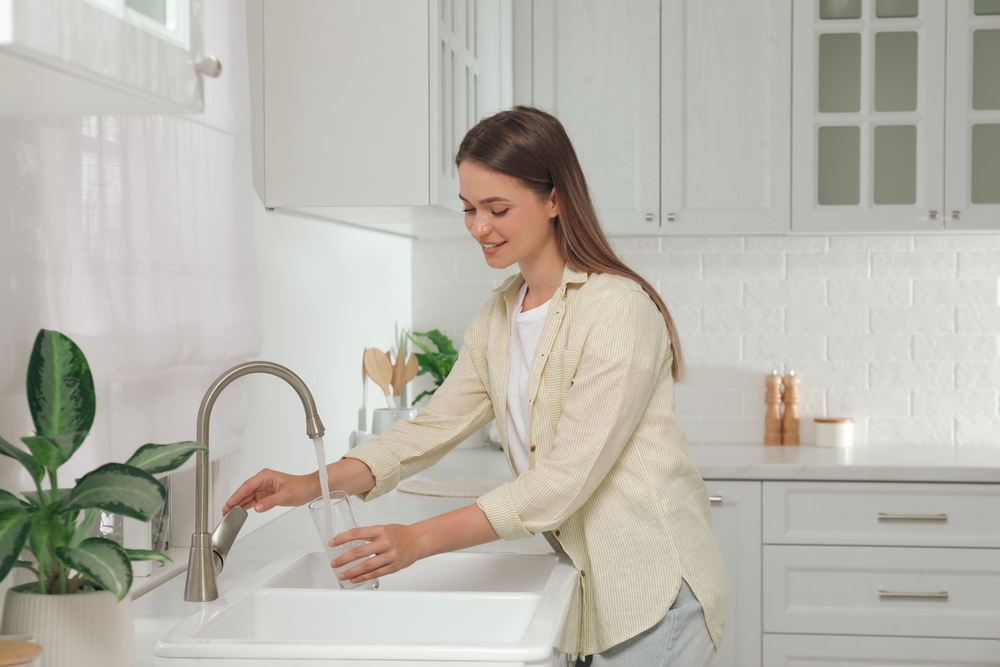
x=896 y=110
x=102 y=57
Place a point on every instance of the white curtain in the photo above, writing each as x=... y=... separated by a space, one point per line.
x=133 y=235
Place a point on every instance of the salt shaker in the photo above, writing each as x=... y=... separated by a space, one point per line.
x=772 y=418
x=790 y=421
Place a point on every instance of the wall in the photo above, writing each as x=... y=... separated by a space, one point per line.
x=899 y=332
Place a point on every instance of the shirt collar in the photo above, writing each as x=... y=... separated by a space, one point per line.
x=510 y=287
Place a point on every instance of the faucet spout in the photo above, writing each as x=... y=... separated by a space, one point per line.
x=201 y=582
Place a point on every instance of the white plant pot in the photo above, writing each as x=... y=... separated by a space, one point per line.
x=79 y=630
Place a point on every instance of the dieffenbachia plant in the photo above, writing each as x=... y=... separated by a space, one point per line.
x=54 y=524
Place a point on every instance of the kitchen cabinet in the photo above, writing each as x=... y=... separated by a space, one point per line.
x=102 y=57
x=896 y=109
x=679 y=110
x=359 y=107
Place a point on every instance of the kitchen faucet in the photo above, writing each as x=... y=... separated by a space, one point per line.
x=208 y=551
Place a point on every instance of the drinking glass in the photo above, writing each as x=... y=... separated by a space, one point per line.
x=343 y=520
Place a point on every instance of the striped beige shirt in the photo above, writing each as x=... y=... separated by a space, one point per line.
x=609 y=483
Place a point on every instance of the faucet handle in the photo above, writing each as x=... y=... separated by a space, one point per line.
x=225 y=534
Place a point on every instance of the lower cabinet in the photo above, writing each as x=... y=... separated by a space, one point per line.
x=842 y=651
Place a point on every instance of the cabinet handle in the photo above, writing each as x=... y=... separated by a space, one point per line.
x=943 y=595
x=715 y=500
x=650 y=217
x=956 y=215
x=671 y=217
x=209 y=66
x=882 y=516
x=933 y=215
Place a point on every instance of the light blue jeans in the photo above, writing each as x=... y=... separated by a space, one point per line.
x=681 y=639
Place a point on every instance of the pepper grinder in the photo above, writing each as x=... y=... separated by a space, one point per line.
x=790 y=422
x=772 y=418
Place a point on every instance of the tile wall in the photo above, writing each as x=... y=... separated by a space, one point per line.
x=902 y=333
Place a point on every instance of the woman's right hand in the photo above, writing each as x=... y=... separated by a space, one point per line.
x=270 y=488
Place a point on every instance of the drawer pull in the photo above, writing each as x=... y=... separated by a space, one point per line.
x=715 y=500
x=882 y=516
x=943 y=595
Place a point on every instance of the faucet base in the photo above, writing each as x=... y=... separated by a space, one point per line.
x=201 y=585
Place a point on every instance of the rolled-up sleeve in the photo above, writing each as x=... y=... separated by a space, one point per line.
x=621 y=362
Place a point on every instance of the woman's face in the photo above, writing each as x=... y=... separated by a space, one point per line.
x=511 y=224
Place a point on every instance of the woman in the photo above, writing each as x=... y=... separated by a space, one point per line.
x=576 y=358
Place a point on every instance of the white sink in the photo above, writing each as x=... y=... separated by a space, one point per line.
x=454 y=609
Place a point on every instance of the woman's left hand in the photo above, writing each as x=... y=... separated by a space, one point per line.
x=391 y=548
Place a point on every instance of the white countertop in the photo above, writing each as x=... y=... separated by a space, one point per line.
x=162 y=608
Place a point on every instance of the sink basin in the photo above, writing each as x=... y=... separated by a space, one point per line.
x=455 y=609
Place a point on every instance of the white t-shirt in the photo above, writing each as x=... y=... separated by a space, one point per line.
x=525 y=330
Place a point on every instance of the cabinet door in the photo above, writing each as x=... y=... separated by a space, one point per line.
x=596 y=66
x=726 y=121
x=972 y=174
x=737 y=529
x=868 y=110
x=831 y=651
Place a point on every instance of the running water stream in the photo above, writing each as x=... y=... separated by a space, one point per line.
x=324 y=485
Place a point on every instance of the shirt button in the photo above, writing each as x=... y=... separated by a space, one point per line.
x=532 y=448
x=582 y=573
x=557 y=533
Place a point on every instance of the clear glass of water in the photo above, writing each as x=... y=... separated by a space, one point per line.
x=343 y=519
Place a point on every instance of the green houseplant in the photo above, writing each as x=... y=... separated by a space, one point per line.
x=54 y=524
x=438 y=363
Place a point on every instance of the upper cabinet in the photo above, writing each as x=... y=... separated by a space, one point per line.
x=358 y=108
x=679 y=110
x=896 y=116
x=102 y=57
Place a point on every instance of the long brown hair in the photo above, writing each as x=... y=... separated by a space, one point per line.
x=533 y=147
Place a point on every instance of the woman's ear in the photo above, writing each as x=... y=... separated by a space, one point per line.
x=552 y=203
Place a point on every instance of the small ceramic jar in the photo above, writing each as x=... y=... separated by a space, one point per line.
x=834 y=432
x=19 y=653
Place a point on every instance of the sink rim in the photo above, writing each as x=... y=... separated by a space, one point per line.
x=539 y=639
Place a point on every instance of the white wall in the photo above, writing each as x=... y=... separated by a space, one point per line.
x=899 y=332
x=327 y=291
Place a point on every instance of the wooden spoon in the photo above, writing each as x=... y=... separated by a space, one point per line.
x=380 y=371
x=403 y=373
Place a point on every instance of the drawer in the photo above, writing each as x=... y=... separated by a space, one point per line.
x=836 y=590
x=881 y=514
x=827 y=651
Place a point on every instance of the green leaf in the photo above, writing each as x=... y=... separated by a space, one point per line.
x=103 y=562
x=419 y=344
x=442 y=342
x=45 y=451
x=48 y=532
x=146 y=554
x=155 y=459
x=60 y=388
x=120 y=489
x=35 y=469
x=14 y=528
x=33 y=496
x=8 y=501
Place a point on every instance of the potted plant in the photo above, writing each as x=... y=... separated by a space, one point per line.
x=78 y=609
x=438 y=363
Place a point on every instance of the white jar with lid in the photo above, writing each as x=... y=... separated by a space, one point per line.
x=834 y=432
x=16 y=651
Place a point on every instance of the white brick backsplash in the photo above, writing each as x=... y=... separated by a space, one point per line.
x=465 y=246
x=778 y=348
x=703 y=348
x=821 y=375
x=445 y=293
x=958 y=242
x=832 y=320
x=732 y=430
x=434 y=267
x=687 y=321
x=977 y=431
x=912 y=375
x=868 y=402
x=962 y=403
x=786 y=244
x=895 y=243
x=828 y=265
x=702 y=244
x=673 y=266
x=784 y=293
x=754 y=401
x=873 y=347
x=869 y=293
x=977 y=375
x=984 y=264
x=701 y=293
x=979 y=320
x=746 y=374
x=463 y=320
x=910 y=431
x=692 y=428
x=955 y=348
x=707 y=402
x=958 y=292
x=916 y=319
x=744 y=320
x=888 y=265
x=629 y=245
x=748 y=266
x=443 y=319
